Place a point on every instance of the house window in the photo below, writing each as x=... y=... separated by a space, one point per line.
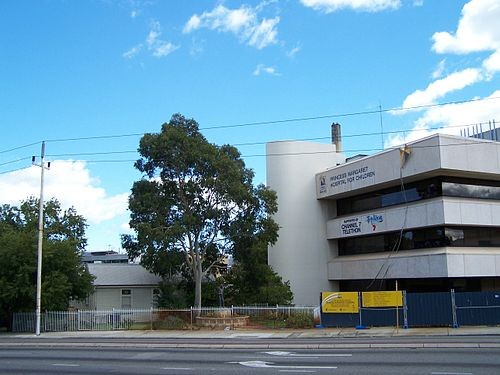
x=126 y=298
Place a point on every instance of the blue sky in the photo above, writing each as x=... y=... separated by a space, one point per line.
x=89 y=77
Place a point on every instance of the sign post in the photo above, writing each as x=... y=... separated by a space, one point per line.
x=397 y=310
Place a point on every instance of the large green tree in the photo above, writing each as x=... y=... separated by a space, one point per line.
x=64 y=277
x=195 y=199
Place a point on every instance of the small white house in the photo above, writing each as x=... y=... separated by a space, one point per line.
x=122 y=286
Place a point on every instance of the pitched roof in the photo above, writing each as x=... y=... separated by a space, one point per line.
x=120 y=274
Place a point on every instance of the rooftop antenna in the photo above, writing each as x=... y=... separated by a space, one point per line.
x=381 y=124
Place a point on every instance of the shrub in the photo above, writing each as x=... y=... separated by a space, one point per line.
x=300 y=320
x=170 y=322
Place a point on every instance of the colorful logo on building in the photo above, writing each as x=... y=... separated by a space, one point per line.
x=322 y=184
x=373 y=220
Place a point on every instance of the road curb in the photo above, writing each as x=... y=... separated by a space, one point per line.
x=251 y=346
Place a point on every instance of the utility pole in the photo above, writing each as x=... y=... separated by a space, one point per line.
x=40 y=241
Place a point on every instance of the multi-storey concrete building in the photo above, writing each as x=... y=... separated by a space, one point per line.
x=426 y=216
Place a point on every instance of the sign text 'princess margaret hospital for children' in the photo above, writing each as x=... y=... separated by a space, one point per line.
x=350 y=176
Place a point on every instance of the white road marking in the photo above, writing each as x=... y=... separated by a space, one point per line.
x=251 y=335
x=451 y=373
x=177 y=368
x=262 y=364
x=65 y=364
x=291 y=354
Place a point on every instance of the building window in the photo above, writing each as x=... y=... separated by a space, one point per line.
x=126 y=298
x=421 y=239
x=454 y=189
x=425 y=189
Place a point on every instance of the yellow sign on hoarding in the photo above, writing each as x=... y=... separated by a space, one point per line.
x=339 y=302
x=382 y=299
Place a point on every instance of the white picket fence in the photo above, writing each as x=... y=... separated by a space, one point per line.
x=94 y=320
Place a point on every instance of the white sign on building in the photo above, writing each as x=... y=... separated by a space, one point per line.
x=361 y=225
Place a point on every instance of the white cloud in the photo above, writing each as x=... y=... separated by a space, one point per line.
x=242 y=22
x=438 y=72
x=265 y=33
x=261 y=68
x=157 y=46
x=478 y=30
x=163 y=49
x=71 y=183
x=132 y=52
x=153 y=34
x=125 y=227
x=441 y=87
x=194 y=23
x=451 y=118
x=492 y=63
x=329 y=6
x=197 y=47
x=291 y=54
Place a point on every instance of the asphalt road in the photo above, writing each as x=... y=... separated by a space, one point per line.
x=439 y=356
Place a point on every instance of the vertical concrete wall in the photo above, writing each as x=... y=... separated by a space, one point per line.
x=302 y=252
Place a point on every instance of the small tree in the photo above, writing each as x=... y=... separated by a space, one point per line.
x=64 y=277
x=171 y=296
x=252 y=280
x=195 y=198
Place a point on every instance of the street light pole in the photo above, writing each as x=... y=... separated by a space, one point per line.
x=40 y=243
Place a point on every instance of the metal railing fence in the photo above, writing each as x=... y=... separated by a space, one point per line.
x=419 y=309
x=125 y=319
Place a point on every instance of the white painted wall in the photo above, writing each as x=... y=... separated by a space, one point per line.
x=302 y=252
x=108 y=298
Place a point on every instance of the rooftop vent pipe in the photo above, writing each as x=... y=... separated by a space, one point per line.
x=337 y=137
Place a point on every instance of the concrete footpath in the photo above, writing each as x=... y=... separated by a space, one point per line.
x=278 y=333
x=271 y=339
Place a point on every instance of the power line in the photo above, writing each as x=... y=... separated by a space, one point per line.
x=97 y=161
x=91 y=153
x=13 y=161
x=466 y=141
x=349 y=114
x=264 y=142
x=15 y=170
x=94 y=137
x=19 y=147
x=271 y=122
